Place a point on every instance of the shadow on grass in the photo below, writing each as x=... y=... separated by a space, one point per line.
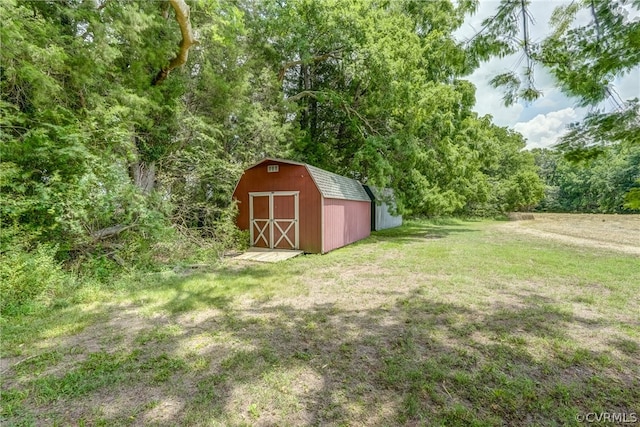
x=412 y=231
x=199 y=290
x=416 y=362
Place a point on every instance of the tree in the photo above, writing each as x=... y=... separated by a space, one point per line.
x=590 y=185
x=376 y=94
x=584 y=59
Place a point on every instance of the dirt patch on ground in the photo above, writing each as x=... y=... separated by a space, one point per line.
x=619 y=233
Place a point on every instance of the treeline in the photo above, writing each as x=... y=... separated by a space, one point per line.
x=114 y=159
x=606 y=181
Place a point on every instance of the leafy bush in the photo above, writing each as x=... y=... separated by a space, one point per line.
x=30 y=276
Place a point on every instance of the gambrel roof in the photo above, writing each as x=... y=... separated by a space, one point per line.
x=331 y=185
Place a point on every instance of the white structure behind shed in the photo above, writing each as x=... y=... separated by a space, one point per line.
x=381 y=216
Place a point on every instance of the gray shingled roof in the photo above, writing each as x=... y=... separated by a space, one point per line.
x=334 y=186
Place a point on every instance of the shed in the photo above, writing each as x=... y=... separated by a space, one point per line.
x=381 y=200
x=291 y=205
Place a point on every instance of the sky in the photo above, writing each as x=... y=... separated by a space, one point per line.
x=543 y=121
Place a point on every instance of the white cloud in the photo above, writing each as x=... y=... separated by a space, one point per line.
x=545 y=129
x=489 y=100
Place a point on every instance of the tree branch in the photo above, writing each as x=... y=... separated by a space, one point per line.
x=347 y=108
x=597 y=23
x=527 y=43
x=364 y=121
x=303 y=94
x=317 y=58
x=105 y=233
x=188 y=39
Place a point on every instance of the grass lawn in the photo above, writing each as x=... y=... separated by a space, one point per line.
x=447 y=323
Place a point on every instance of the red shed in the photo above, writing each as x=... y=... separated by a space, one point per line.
x=291 y=205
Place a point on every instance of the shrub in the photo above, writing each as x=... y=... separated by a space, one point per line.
x=29 y=276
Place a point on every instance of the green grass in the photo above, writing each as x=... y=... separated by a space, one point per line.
x=447 y=323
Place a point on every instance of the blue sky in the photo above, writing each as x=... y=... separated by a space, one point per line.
x=544 y=120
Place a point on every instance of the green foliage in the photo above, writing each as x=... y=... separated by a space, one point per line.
x=69 y=123
x=586 y=139
x=607 y=183
x=517 y=185
x=30 y=277
x=632 y=198
x=38 y=175
x=603 y=49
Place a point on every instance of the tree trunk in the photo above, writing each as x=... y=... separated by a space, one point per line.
x=144 y=176
x=304 y=114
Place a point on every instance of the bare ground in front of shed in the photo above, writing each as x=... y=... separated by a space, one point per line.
x=433 y=323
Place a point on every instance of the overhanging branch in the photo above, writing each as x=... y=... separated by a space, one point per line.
x=188 y=39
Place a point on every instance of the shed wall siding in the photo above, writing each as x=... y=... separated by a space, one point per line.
x=290 y=177
x=384 y=219
x=345 y=221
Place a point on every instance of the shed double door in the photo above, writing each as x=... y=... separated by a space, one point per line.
x=273 y=218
